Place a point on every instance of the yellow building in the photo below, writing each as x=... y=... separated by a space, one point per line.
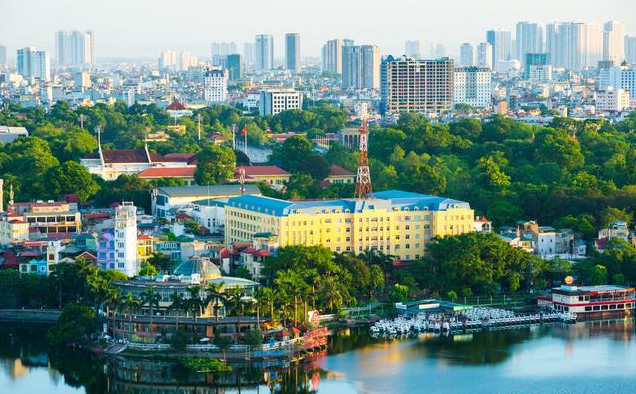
x=274 y=176
x=338 y=174
x=144 y=247
x=394 y=222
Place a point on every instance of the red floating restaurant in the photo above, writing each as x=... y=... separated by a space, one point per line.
x=591 y=301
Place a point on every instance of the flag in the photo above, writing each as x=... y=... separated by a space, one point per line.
x=244 y=131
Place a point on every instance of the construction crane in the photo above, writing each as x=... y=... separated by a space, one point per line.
x=363 y=178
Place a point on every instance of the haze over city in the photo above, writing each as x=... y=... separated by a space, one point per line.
x=141 y=29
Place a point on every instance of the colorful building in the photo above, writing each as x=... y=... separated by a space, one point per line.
x=393 y=222
x=144 y=247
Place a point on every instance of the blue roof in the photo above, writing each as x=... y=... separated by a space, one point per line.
x=387 y=200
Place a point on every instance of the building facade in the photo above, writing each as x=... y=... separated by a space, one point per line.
x=126 y=239
x=275 y=101
x=75 y=48
x=394 y=222
x=361 y=67
x=473 y=86
x=264 y=52
x=234 y=66
x=292 y=51
x=467 y=55
x=215 y=86
x=34 y=63
x=410 y=85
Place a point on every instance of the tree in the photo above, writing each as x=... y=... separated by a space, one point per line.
x=71 y=178
x=316 y=166
x=179 y=340
x=75 y=322
x=611 y=214
x=399 y=293
x=151 y=299
x=215 y=165
x=599 y=275
x=292 y=153
x=376 y=282
x=148 y=269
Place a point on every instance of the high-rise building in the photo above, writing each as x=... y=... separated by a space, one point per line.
x=33 y=63
x=501 y=42
x=630 y=49
x=168 y=60
x=361 y=67
x=409 y=85
x=186 y=60
x=249 y=54
x=529 y=39
x=574 y=45
x=484 y=55
x=618 y=77
x=614 y=41
x=126 y=239
x=222 y=49
x=534 y=59
x=332 y=55
x=473 y=86
x=81 y=80
x=75 y=48
x=467 y=54
x=3 y=56
x=413 y=49
x=234 y=66
x=215 y=85
x=275 y=101
x=264 y=49
x=292 y=51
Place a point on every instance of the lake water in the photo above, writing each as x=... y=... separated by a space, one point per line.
x=586 y=357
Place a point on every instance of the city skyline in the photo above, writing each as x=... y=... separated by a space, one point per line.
x=194 y=32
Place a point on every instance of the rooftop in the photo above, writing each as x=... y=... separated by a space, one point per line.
x=167 y=172
x=212 y=191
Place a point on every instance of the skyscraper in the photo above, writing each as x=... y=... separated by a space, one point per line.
x=33 y=63
x=361 y=67
x=413 y=49
x=220 y=50
x=501 y=43
x=249 y=54
x=574 y=45
x=534 y=59
x=264 y=50
x=292 y=51
x=409 y=85
x=234 y=66
x=484 y=55
x=614 y=42
x=332 y=56
x=75 y=48
x=473 y=86
x=630 y=49
x=467 y=54
x=3 y=56
x=529 y=39
x=167 y=59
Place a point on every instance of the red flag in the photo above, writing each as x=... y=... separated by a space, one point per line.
x=244 y=131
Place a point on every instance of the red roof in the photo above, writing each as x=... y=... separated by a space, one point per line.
x=262 y=253
x=176 y=106
x=260 y=170
x=482 y=220
x=167 y=172
x=338 y=171
x=144 y=237
x=125 y=156
x=179 y=156
x=96 y=215
x=10 y=259
x=249 y=250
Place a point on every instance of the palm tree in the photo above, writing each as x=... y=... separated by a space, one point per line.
x=214 y=293
x=269 y=296
x=330 y=294
x=151 y=299
x=195 y=301
x=131 y=305
x=178 y=304
x=112 y=298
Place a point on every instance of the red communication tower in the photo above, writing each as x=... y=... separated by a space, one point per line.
x=363 y=179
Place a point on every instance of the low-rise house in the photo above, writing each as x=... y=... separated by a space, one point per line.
x=174 y=197
x=273 y=176
x=185 y=174
x=9 y=134
x=482 y=225
x=144 y=247
x=41 y=257
x=13 y=229
x=338 y=174
x=51 y=219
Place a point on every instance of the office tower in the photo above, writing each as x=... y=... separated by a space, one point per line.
x=413 y=49
x=630 y=49
x=222 y=49
x=437 y=50
x=264 y=45
x=249 y=53
x=292 y=51
x=409 y=85
x=618 y=77
x=126 y=239
x=614 y=41
x=331 y=55
x=484 y=55
x=234 y=66
x=186 y=60
x=361 y=67
x=467 y=54
x=33 y=63
x=473 y=86
x=81 y=80
x=500 y=40
x=167 y=60
x=275 y=101
x=215 y=85
x=75 y=48
x=574 y=45
x=3 y=56
x=534 y=59
x=529 y=39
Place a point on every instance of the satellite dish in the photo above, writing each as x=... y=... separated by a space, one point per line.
x=569 y=280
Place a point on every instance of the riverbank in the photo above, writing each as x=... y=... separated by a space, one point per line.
x=29 y=315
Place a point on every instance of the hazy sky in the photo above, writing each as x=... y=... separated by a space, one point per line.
x=143 y=28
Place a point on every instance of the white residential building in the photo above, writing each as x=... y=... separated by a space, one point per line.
x=167 y=60
x=614 y=41
x=215 y=86
x=484 y=55
x=275 y=101
x=467 y=54
x=611 y=100
x=126 y=239
x=34 y=63
x=540 y=73
x=473 y=86
x=264 y=51
x=75 y=48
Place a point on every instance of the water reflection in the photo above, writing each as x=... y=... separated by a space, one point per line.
x=357 y=362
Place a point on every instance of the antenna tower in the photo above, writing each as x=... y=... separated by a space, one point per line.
x=363 y=179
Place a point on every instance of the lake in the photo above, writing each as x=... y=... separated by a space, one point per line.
x=587 y=357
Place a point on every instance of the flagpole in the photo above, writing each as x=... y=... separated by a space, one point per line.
x=246 y=142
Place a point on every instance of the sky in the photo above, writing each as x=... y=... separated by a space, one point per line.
x=143 y=28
